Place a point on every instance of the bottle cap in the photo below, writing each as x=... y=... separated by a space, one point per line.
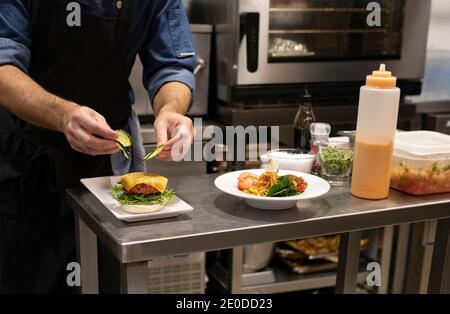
x=320 y=129
x=320 y=132
x=381 y=79
x=305 y=96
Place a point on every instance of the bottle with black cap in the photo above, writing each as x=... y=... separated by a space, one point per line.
x=302 y=123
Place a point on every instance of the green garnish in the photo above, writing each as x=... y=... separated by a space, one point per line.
x=283 y=188
x=155 y=153
x=124 y=142
x=336 y=161
x=435 y=168
x=403 y=179
x=126 y=199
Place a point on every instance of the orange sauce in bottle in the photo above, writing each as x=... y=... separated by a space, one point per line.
x=372 y=170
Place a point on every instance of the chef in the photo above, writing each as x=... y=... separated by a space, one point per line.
x=64 y=90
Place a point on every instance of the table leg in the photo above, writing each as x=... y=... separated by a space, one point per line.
x=348 y=263
x=87 y=257
x=400 y=259
x=134 y=278
x=440 y=265
x=386 y=254
x=429 y=234
x=236 y=269
x=426 y=268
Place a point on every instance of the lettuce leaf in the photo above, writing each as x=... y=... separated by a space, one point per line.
x=126 y=199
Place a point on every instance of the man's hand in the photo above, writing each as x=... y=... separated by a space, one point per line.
x=175 y=132
x=173 y=129
x=88 y=132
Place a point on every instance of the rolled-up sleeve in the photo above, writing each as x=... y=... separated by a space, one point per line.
x=168 y=54
x=14 y=33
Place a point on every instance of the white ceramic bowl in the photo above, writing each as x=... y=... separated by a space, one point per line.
x=317 y=187
x=290 y=159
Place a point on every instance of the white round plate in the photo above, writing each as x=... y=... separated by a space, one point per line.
x=317 y=187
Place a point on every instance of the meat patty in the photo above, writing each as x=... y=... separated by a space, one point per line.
x=143 y=189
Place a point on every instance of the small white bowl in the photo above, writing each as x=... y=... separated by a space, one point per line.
x=290 y=159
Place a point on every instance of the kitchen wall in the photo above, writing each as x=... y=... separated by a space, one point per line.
x=436 y=83
x=439 y=35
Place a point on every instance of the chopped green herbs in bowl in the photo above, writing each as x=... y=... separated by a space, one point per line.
x=336 y=164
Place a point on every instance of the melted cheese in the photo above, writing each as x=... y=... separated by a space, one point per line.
x=130 y=180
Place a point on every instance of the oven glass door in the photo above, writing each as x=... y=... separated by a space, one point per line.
x=312 y=41
x=335 y=30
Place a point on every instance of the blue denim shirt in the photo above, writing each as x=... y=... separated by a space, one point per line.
x=160 y=34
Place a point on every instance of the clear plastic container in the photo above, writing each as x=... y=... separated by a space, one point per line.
x=421 y=163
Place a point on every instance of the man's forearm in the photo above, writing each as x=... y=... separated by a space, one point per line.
x=174 y=97
x=30 y=102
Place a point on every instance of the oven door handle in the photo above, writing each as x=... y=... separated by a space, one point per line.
x=250 y=29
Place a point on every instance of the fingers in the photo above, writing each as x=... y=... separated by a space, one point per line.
x=161 y=132
x=176 y=133
x=94 y=123
x=168 y=153
x=89 y=133
x=179 y=144
x=79 y=147
x=178 y=136
x=84 y=142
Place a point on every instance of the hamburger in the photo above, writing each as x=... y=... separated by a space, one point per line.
x=143 y=183
x=142 y=192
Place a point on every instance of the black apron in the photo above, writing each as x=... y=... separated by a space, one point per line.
x=87 y=65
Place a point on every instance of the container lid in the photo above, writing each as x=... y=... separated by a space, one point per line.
x=423 y=143
x=381 y=79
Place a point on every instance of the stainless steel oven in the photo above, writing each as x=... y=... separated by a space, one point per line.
x=276 y=42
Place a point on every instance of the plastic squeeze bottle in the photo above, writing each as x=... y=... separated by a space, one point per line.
x=375 y=132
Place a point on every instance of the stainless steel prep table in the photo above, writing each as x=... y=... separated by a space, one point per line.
x=220 y=221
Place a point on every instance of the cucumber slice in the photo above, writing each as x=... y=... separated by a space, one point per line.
x=155 y=153
x=125 y=150
x=124 y=142
x=124 y=138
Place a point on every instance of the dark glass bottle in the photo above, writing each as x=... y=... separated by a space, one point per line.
x=302 y=123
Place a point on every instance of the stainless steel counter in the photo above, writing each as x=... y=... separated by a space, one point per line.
x=220 y=221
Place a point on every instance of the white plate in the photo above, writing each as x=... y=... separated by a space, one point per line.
x=101 y=188
x=227 y=183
